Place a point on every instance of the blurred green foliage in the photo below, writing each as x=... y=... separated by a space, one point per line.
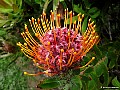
x=104 y=71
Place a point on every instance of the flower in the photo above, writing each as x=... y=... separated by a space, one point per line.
x=60 y=48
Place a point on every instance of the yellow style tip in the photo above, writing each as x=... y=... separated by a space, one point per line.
x=25 y=73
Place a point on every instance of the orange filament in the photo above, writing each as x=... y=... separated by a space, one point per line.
x=93 y=58
x=80 y=18
x=70 y=20
x=66 y=18
x=72 y=58
x=26 y=73
x=47 y=60
x=38 y=65
x=76 y=30
x=58 y=21
x=52 y=25
x=69 y=39
x=61 y=55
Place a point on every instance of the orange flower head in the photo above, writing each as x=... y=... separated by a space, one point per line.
x=60 y=48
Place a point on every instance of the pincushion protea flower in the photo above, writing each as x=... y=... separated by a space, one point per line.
x=60 y=48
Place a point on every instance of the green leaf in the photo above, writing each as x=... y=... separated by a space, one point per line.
x=85 y=85
x=84 y=25
x=2 y=22
x=101 y=69
x=85 y=60
x=88 y=70
x=46 y=4
x=85 y=78
x=78 y=9
x=98 y=70
x=64 y=4
x=3 y=10
x=91 y=85
x=49 y=85
x=2 y=32
x=51 y=80
x=106 y=61
x=67 y=86
x=105 y=74
x=113 y=58
x=75 y=87
x=77 y=81
x=3 y=4
x=95 y=15
x=10 y=2
x=97 y=52
x=76 y=72
x=87 y=4
x=61 y=0
x=115 y=82
x=19 y=3
x=94 y=77
x=112 y=63
x=94 y=12
x=15 y=8
x=55 y=4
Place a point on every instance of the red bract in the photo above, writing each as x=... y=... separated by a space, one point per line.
x=60 y=48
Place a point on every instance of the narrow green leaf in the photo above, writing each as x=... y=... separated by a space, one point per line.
x=115 y=82
x=92 y=10
x=2 y=32
x=88 y=70
x=9 y=2
x=76 y=72
x=67 y=87
x=76 y=79
x=95 y=15
x=91 y=85
x=84 y=25
x=111 y=64
x=75 y=87
x=49 y=85
x=94 y=77
x=98 y=70
x=19 y=3
x=55 y=4
x=3 y=4
x=106 y=61
x=105 y=74
x=61 y=0
x=77 y=82
x=85 y=78
x=87 y=4
x=81 y=85
x=2 y=22
x=51 y=80
x=15 y=8
x=113 y=58
x=3 y=10
x=85 y=85
x=97 y=52
x=46 y=5
x=78 y=9
x=64 y=4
